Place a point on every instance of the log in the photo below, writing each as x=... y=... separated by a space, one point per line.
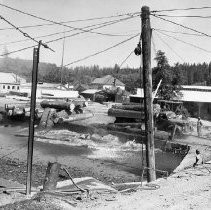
x=125 y=113
x=132 y=125
x=44 y=118
x=125 y=129
x=133 y=107
x=77 y=117
x=61 y=105
x=51 y=176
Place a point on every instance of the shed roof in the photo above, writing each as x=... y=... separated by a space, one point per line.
x=107 y=80
x=195 y=96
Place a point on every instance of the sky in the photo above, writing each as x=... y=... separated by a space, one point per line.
x=84 y=44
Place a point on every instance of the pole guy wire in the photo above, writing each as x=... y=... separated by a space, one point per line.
x=26 y=34
x=102 y=51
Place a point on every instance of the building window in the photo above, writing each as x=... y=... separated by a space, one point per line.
x=8 y=87
x=3 y=86
x=13 y=87
x=18 y=87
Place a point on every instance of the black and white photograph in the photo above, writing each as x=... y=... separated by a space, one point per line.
x=105 y=104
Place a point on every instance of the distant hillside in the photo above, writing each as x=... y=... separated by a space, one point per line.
x=24 y=67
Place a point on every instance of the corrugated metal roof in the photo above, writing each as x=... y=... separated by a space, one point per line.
x=10 y=78
x=107 y=80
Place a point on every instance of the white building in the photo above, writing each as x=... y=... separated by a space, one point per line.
x=108 y=82
x=49 y=90
x=10 y=82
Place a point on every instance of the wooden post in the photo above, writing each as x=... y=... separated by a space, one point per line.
x=32 y=119
x=147 y=84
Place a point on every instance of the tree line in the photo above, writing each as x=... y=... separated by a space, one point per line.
x=172 y=76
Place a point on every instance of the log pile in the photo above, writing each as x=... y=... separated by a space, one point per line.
x=58 y=111
x=127 y=112
x=130 y=119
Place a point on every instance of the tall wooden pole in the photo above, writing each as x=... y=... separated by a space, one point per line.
x=32 y=118
x=147 y=84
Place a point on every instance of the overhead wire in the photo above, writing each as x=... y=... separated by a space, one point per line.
x=26 y=34
x=153 y=44
x=126 y=59
x=190 y=44
x=57 y=33
x=48 y=20
x=61 y=38
x=71 y=21
x=182 y=9
x=178 y=32
x=170 y=48
x=183 y=26
x=186 y=16
x=102 y=51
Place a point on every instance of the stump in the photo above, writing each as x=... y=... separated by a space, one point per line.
x=51 y=177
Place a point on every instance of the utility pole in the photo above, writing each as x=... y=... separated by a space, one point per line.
x=147 y=85
x=32 y=118
x=63 y=45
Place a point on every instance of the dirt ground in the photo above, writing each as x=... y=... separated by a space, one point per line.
x=187 y=189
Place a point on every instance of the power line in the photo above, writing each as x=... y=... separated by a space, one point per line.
x=185 y=42
x=109 y=23
x=182 y=26
x=54 y=40
x=153 y=45
x=102 y=51
x=26 y=34
x=72 y=21
x=182 y=9
x=170 y=48
x=177 y=32
x=57 y=33
x=186 y=16
x=51 y=21
x=126 y=59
